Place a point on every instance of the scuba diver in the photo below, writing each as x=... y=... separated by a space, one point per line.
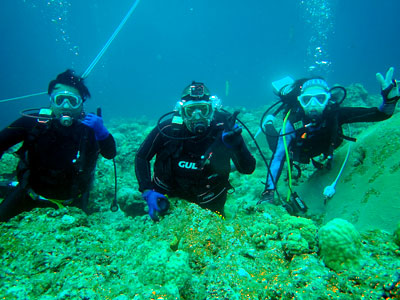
x=193 y=152
x=313 y=126
x=60 y=148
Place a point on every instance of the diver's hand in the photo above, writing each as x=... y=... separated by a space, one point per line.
x=157 y=203
x=96 y=123
x=389 y=86
x=232 y=138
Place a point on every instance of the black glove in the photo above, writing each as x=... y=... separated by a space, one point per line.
x=232 y=134
x=232 y=138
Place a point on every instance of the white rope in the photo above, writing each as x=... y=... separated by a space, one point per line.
x=111 y=39
x=97 y=58
x=23 y=97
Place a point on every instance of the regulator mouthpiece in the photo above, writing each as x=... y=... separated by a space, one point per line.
x=66 y=120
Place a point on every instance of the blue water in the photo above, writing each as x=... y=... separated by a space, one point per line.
x=167 y=44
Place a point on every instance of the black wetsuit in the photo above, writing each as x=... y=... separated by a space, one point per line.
x=179 y=169
x=56 y=162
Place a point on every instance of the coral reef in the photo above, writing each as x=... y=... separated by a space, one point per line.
x=396 y=235
x=190 y=254
x=255 y=252
x=339 y=244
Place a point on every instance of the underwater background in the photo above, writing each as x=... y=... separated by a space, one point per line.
x=345 y=248
x=236 y=48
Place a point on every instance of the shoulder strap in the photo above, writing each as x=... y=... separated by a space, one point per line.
x=30 y=140
x=173 y=146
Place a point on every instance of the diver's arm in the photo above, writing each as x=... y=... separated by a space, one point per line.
x=278 y=158
x=14 y=133
x=144 y=155
x=107 y=147
x=363 y=114
x=390 y=96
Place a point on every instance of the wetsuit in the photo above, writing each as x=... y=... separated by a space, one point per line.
x=56 y=162
x=307 y=139
x=180 y=170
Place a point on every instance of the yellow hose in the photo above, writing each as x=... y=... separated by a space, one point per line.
x=287 y=156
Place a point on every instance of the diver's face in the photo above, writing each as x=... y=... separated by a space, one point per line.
x=314 y=100
x=197 y=115
x=66 y=103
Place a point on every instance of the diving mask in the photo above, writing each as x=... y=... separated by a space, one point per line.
x=197 y=115
x=197 y=109
x=320 y=99
x=62 y=98
x=67 y=106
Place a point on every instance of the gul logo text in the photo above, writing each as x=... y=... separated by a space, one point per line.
x=187 y=165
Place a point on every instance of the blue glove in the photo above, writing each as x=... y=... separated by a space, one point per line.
x=96 y=123
x=232 y=138
x=389 y=86
x=157 y=203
